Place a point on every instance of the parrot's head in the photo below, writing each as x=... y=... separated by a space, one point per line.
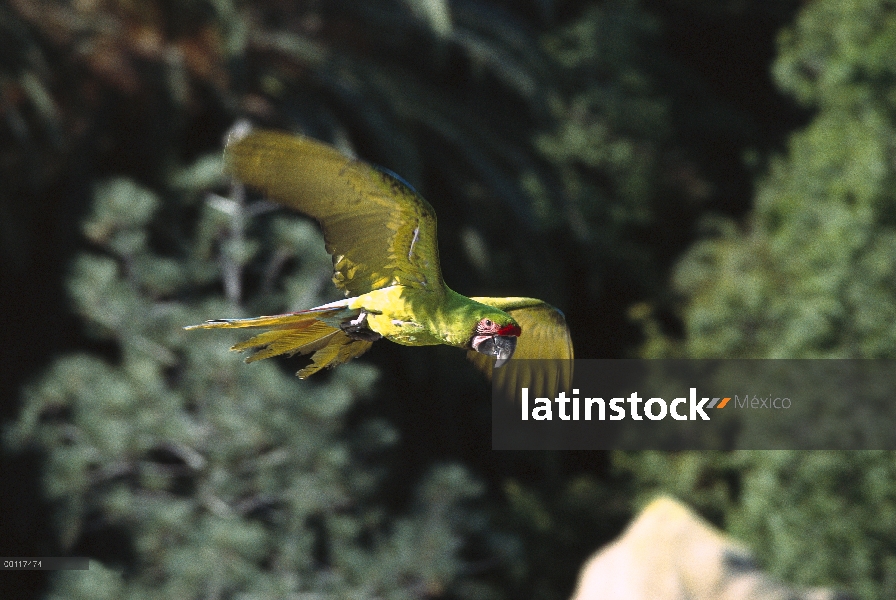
x=495 y=335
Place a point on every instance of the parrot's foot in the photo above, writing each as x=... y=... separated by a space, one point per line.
x=357 y=329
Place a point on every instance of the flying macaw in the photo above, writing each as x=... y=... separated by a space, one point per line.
x=382 y=236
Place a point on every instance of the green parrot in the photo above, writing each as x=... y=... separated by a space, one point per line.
x=382 y=237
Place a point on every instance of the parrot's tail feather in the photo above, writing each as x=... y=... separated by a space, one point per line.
x=312 y=336
x=326 y=312
x=305 y=332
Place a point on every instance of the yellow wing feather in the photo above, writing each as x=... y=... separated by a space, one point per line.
x=379 y=231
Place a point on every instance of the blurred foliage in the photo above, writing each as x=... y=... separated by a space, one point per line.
x=611 y=126
x=568 y=149
x=225 y=480
x=809 y=275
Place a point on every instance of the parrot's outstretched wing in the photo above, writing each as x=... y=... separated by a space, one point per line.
x=544 y=336
x=379 y=231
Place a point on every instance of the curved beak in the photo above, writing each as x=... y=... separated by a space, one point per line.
x=499 y=346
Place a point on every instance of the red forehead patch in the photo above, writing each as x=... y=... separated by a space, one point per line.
x=513 y=330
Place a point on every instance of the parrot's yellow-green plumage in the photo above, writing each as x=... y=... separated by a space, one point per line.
x=382 y=236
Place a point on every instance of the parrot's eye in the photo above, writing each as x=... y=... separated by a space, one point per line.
x=485 y=326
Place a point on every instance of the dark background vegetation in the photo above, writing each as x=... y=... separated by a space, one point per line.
x=682 y=178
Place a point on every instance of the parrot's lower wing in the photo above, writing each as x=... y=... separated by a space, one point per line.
x=545 y=336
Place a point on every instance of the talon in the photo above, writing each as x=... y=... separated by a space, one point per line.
x=357 y=329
